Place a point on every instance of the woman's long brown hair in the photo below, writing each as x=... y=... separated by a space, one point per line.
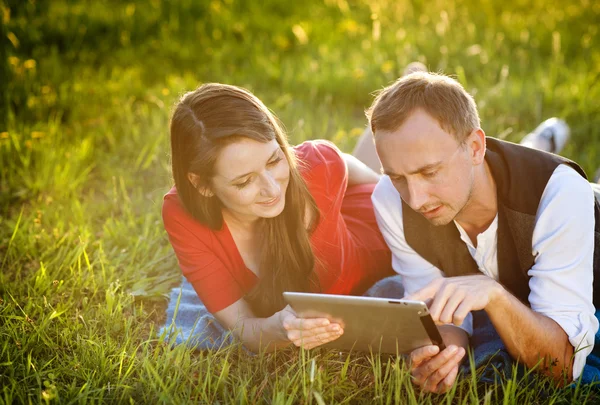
x=203 y=122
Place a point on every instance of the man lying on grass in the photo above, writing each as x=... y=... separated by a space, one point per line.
x=475 y=223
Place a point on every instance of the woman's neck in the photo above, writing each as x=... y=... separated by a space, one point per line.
x=241 y=225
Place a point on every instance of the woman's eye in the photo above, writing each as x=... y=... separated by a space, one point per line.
x=274 y=162
x=242 y=185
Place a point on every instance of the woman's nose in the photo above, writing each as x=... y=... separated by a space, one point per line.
x=270 y=186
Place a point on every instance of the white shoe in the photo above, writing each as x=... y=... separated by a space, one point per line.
x=550 y=136
x=413 y=67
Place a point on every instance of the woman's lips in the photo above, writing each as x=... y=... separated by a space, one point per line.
x=270 y=202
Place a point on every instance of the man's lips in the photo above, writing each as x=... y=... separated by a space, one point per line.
x=432 y=211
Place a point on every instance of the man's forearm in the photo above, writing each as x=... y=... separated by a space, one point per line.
x=532 y=338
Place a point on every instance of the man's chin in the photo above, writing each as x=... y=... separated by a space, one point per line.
x=438 y=217
x=440 y=220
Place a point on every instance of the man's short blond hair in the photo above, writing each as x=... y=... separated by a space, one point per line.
x=440 y=96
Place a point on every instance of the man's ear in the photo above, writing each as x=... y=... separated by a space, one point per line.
x=476 y=142
x=196 y=182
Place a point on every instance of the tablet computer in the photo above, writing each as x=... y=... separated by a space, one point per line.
x=382 y=325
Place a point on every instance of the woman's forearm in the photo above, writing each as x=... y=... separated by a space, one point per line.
x=255 y=333
x=358 y=172
x=262 y=334
x=277 y=331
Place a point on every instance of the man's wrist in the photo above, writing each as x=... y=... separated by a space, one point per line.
x=498 y=297
x=454 y=335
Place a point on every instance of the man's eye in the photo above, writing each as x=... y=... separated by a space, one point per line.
x=242 y=185
x=430 y=174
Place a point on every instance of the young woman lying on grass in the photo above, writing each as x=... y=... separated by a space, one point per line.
x=250 y=217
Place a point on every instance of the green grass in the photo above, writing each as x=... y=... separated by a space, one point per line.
x=85 y=92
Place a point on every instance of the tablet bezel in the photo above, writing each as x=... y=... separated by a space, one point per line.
x=344 y=308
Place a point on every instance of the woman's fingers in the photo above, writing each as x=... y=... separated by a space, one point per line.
x=314 y=341
x=292 y=322
x=311 y=332
x=310 y=341
x=320 y=331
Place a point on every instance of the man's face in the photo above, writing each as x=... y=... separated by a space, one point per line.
x=430 y=169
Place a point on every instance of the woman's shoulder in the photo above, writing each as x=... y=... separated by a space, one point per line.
x=324 y=170
x=320 y=160
x=318 y=151
x=177 y=219
x=172 y=206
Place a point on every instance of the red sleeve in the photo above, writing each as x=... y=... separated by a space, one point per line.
x=325 y=173
x=200 y=257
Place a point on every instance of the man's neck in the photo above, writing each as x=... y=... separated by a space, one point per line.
x=482 y=207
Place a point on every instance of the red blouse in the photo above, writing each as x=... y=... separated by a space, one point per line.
x=351 y=252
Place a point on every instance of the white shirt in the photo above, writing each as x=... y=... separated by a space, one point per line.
x=563 y=247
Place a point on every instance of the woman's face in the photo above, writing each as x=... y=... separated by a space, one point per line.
x=251 y=179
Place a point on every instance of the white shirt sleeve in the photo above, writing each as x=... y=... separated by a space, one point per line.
x=563 y=246
x=415 y=271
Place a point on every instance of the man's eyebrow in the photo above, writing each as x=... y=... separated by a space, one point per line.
x=419 y=170
x=249 y=173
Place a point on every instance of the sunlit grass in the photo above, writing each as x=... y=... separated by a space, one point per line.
x=84 y=162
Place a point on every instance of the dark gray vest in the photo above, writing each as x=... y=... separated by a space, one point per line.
x=521 y=175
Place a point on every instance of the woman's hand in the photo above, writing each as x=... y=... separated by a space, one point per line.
x=308 y=332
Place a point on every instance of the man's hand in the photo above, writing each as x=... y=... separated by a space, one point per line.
x=308 y=332
x=434 y=371
x=453 y=298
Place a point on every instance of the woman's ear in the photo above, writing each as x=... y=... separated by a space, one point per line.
x=196 y=182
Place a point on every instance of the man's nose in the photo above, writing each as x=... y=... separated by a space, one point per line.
x=417 y=195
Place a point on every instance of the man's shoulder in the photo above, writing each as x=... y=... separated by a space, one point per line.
x=566 y=183
x=388 y=204
x=386 y=195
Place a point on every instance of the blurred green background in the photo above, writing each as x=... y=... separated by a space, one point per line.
x=86 y=88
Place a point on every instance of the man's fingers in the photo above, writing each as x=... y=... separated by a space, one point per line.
x=421 y=354
x=447 y=313
x=424 y=371
x=439 y=376
x=291 y=323
x=425 y=293
x=445 y=293
x=447 y=382
x=461 y=312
